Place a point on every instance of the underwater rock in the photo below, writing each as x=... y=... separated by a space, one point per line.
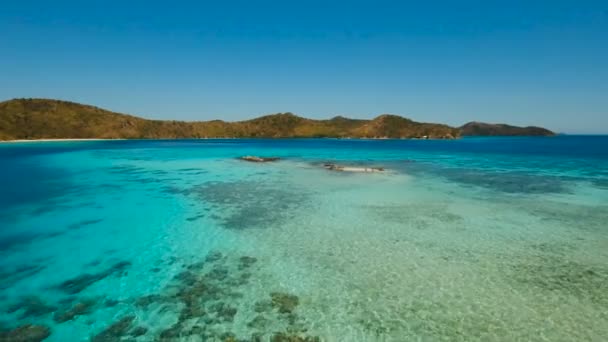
x=173 y=332
x=291 y=318
x=283 y=337
x=251 y=204
x=241 y=280
x=256 y=337
x=194 y=293
x=115 y=331
x=263 y=306
x=78 y=284
x=191 y=311
x=26 y=333
x=196 y=266
x=19 y=273
x=557 y=274
x=80 y=308
x=224 y=311
x=258 y=322
x=335 y=167
x=211 y=321
x=119 y=266
x=138 y=331
x=32 y=306
x=228 y=337
x=195 y=218
x=192 y=298
x=214 y=256
x=82 y=224
x=246 y=262
x=145 y=301
x=297 y=327
x=206 y=295
x=218 y=273
x=13 y=241
x=111 y=303
x=257 y=159
x=198 y=330
x=284 y=302
x=186 y=278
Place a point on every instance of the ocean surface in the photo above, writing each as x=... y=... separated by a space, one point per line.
x=477 y=239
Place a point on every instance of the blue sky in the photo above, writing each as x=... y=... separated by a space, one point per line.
x=521 y=62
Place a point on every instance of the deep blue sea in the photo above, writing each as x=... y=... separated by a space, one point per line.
x=476 y=239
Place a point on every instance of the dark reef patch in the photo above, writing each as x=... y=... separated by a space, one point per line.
x=142 y=180
x=555 y=273
x=127 y=170
x=109 y=303
x=248 y=204
x=246 y=262
x=214 y=256
x=514 y=182
x=224 y=311
x=420 y=216
x=31 y=307
x=9 y=278
x=195 y=218
x=192 y=171
x=207 y=295
x=570 y=215
x=601 y=183
x=145 y=301
x=13 y=241
x=26 y=182
x=509 y=182
x=84 y=223
x=116 y=331
x=109 y=186
x=26 y=333
x=284 y=302
x=285 y=337
x=138 y=331
x=81 y=282
x=83 y=307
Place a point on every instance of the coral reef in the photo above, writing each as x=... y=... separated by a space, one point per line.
x=26 y=333
x=81 y=282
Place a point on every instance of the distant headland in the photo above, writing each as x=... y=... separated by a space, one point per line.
x=33 y=119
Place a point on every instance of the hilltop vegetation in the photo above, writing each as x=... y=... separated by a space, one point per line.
x=53 y=119
x=485 y=129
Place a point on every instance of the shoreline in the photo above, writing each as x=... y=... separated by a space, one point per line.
x=55 y=140
x=218 y=138
x=276 y=138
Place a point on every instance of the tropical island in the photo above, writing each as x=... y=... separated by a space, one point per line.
x=34 y=119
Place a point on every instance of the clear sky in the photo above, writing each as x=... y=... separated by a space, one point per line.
x=521 y=62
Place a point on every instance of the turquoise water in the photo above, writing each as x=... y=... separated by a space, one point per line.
x=475 y=239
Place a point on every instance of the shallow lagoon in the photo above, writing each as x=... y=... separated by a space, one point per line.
x=474 y=239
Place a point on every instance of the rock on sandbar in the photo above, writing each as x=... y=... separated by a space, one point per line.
x=335 y=167
x=257 y=159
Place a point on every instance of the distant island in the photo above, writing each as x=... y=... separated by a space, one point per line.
x=30 y=119
x=486 y=129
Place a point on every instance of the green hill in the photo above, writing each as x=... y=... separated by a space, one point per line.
x=485 y=129
x=53 y=119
